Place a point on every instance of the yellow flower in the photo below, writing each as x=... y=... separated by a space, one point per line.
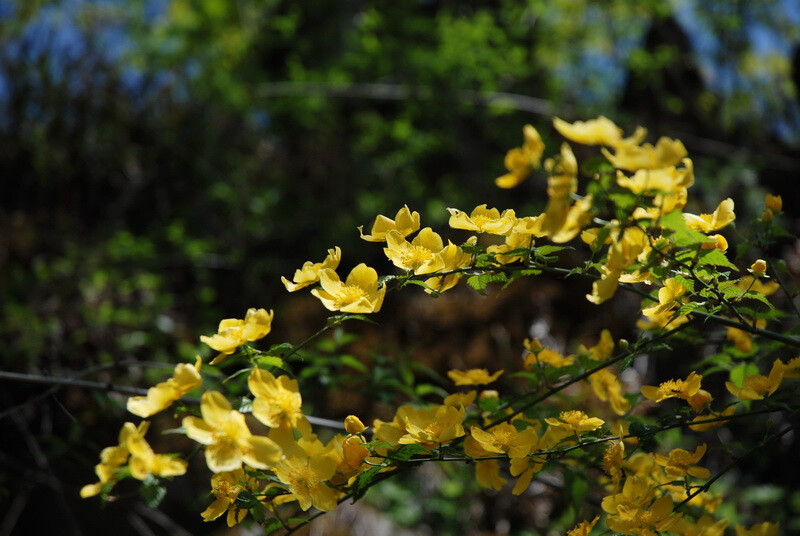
x=360 y=293
x=636 y=493
x=453 y=258
x=487 y=473
x=741 y=338
x=680 y=462
x=473 y=376
x=575 y=422
x=667 y=298
x=716 y=242
x=751 y=283
x=706 y=223
x=431 y=427
x=631 y=156
x=544 y=356
x=420 y=255
x=644 y=522
x=405 y=223
x=112 y=458
x=603 y=349
x=790 y=369
x=521 y=161
x=305 y=475
x=772 y=204
x=684 y=389
x=626 y=248
x=505 y=439
x=277 y=400
x=705 y=526
x=757 y=386
x=525 y=467
x=607 y=387
x=226 y=487
x=227 y=438
x=702 y=427
x=234 y=332
x=483 y=220
x=600 y=131
x=460 y=399
x=613 y=458
x=758 y=268
x=583 y=528
x=762 y=529
x=143 y=461
x=661 y=321
x=664 y=180
x=185 y=379
x=513 y=241
x=309 y=273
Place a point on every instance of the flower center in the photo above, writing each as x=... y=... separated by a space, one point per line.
x=415 y=256
x=349 y=294
x=572 y=417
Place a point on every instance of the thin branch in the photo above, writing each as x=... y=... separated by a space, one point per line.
x=732 y=464
x=111 y=387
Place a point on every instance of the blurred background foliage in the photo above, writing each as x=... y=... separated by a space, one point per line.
x=166 y=161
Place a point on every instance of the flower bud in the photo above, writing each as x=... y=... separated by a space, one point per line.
x=353 y=451
x=773 y=202
x=758 y=268
x=353 y=425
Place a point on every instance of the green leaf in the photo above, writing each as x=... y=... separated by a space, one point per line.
x=270 y=361
x=714 y=257
x=480 y=282
x=361 y=485
x=488 y=404
x=271 y=526
x=424 y=389
x=352 y=362
x=406 y=452
x=549 y=249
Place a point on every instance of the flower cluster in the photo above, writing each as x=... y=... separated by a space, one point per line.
x=265 y=456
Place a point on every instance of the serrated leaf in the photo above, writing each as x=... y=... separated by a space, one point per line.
x=361 y=485
x=714 y=257
x=480 y=282
x=406 y=452
x=753 y=295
